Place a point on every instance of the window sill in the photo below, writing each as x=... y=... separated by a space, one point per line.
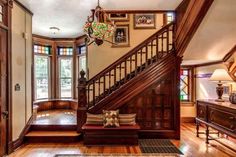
x=52 y=100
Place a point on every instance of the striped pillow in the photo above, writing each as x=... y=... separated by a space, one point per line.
x=127 y=119
x=94 y=119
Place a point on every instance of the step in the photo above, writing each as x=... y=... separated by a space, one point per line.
x=40 y=127
x=52 y=136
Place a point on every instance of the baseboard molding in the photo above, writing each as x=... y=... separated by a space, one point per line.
x=13 y=145
x=187 y=119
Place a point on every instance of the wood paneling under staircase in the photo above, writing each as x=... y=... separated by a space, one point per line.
x=144 y=81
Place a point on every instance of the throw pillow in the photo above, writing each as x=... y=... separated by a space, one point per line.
x=94 y=119
x=127 y=119
x=110 y=118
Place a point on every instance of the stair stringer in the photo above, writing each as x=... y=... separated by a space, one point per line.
x=138 y=84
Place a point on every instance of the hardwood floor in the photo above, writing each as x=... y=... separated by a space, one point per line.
x=189 y=144
x=56 y=117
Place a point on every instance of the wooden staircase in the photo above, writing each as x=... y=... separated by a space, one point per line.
x=133 y=74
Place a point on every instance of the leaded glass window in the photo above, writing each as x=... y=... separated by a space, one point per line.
x=184 y=84
x=38 y=49
x=67 y=51
x=170 y=17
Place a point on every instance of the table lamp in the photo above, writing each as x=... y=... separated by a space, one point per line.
x=221 y=76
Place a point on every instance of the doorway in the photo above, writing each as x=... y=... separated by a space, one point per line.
x=3 y=92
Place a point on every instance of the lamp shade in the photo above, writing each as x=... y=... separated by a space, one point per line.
x=220 y=75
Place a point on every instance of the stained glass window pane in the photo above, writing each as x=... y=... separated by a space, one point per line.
x=184 y=85
x=170 y=17
x=68 y=51
x=42 y=49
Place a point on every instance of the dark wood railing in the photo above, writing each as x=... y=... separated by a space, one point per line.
x=130 y=65
x=149 y=52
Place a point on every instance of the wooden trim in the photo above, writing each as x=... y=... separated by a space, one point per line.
x=190 y=21
x=187 y=119
x=229 y=54
x=12 y=146
x=137 y=11
x=24 y=7
x=208 y=64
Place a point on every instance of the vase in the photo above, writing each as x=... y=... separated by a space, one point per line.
x=232 y=98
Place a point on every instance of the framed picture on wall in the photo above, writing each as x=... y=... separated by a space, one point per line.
x=119 y=17
x=144 y=21
x=121 y=36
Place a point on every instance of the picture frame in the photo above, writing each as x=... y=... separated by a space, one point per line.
x=119 y=16
x=121 y=37
x=144 y=21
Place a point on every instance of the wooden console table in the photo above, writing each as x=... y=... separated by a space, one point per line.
x=220 y=116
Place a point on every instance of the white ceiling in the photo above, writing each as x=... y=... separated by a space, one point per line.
x=215 y=36
x=70 y=15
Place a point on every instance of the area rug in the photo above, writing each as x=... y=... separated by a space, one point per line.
x=116 y=155
x=158 y=146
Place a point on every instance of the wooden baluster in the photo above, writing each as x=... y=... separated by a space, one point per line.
x=94 y=92
x=152 y=52
x=141 y=59
x=82 y=101
x=136 y=63
x=125 y=70
x=109 y=81
x=162 y=44
x=104 y=85
x=167 y=40
x=157 y=48
x=146 y=49
x=99 y=82
x=130 y=62
x=120 y=71
x=114 y=76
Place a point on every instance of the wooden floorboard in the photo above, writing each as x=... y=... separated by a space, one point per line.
x=189 y=144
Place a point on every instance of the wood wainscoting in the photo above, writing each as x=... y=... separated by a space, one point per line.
x=157 y=114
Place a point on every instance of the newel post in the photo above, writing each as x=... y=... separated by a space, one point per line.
x=82 y=101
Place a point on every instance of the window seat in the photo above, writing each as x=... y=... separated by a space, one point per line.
x=98 y=135
x=50 y=104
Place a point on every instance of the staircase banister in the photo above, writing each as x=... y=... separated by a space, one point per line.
x=131 y=52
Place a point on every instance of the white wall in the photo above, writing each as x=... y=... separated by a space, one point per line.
x=21 y=69
x=205 y=89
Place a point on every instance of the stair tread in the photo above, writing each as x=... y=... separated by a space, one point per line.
x=52 y=133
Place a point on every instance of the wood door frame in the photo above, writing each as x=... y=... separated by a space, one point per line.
x=6 y=25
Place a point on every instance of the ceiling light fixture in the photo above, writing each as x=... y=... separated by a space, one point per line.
x=99 y=27
x=54 y=30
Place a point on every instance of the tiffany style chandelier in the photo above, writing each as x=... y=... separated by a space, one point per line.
x=99 y=27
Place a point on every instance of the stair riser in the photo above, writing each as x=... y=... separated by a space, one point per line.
x=52 y=139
